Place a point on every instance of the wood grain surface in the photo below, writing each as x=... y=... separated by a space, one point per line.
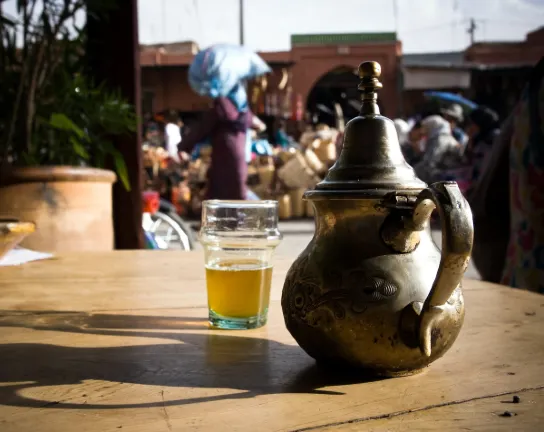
x=481 y=414
x=119 y=341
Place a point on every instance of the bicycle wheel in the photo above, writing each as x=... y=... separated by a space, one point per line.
x=184 y=226
x=171 y=232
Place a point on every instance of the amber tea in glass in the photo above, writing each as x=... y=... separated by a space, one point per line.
x=239 y=239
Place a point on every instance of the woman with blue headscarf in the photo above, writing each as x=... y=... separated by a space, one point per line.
x=225 y=126
x=219 y=72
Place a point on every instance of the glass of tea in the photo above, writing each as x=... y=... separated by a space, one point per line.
x=239 y=239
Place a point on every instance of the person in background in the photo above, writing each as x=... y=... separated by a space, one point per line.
x=226 y=126
x=181 y=126
x=339 y=143
x=442 y=151
x=280 y=137
x=147 y=119
x=482 y=130
x=453 y=114
x=412 y=149
x=402 y=130
x=172 y=135
x=152 y=136
x=257 y=126
x=489 y=199
x=508 y=199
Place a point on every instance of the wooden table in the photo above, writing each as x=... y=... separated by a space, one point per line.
x=119 y=341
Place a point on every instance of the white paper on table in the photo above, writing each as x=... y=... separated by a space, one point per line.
x=20 y=256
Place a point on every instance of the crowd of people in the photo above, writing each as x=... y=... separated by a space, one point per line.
x=440 y=149
x=233 y=137
x=499 y=167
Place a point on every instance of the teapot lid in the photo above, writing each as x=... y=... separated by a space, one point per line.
x=371 y=162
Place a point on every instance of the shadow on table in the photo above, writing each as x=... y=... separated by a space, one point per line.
x=199 y=359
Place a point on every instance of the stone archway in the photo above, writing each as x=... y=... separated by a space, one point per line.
x=308 y=72
x=312 y=63
x=337 y=86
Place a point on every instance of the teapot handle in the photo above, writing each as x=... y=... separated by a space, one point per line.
x=457 y=239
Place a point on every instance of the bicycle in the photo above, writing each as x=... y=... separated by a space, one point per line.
x=163 y=228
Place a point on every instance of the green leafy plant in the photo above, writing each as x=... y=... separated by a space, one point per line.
x=89 y=115
x=51 y=113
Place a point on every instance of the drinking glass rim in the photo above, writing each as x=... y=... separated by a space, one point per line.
x=240 y=203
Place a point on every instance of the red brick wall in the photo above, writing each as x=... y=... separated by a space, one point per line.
x=536 y=37
x=312 y=62
x=524 y=52
x=521 y=53
x=171 y=90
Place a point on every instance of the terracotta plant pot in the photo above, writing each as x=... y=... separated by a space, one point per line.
x=71 y=206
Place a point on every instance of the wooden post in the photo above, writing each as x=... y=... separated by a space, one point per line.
x=114 y=58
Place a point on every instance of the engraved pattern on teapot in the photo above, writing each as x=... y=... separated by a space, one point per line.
x=354 y=292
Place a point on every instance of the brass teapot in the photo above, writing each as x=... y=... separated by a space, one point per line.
x=371 y=289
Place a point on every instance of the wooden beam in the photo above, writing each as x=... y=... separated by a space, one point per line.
x=114 y=58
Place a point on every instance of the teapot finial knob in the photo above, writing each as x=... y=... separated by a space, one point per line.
x=369 y=72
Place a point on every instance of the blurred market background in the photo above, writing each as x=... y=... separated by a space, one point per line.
x=466 y=62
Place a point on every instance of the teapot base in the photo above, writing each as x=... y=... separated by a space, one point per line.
x=403 y=373
x=333 y=366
